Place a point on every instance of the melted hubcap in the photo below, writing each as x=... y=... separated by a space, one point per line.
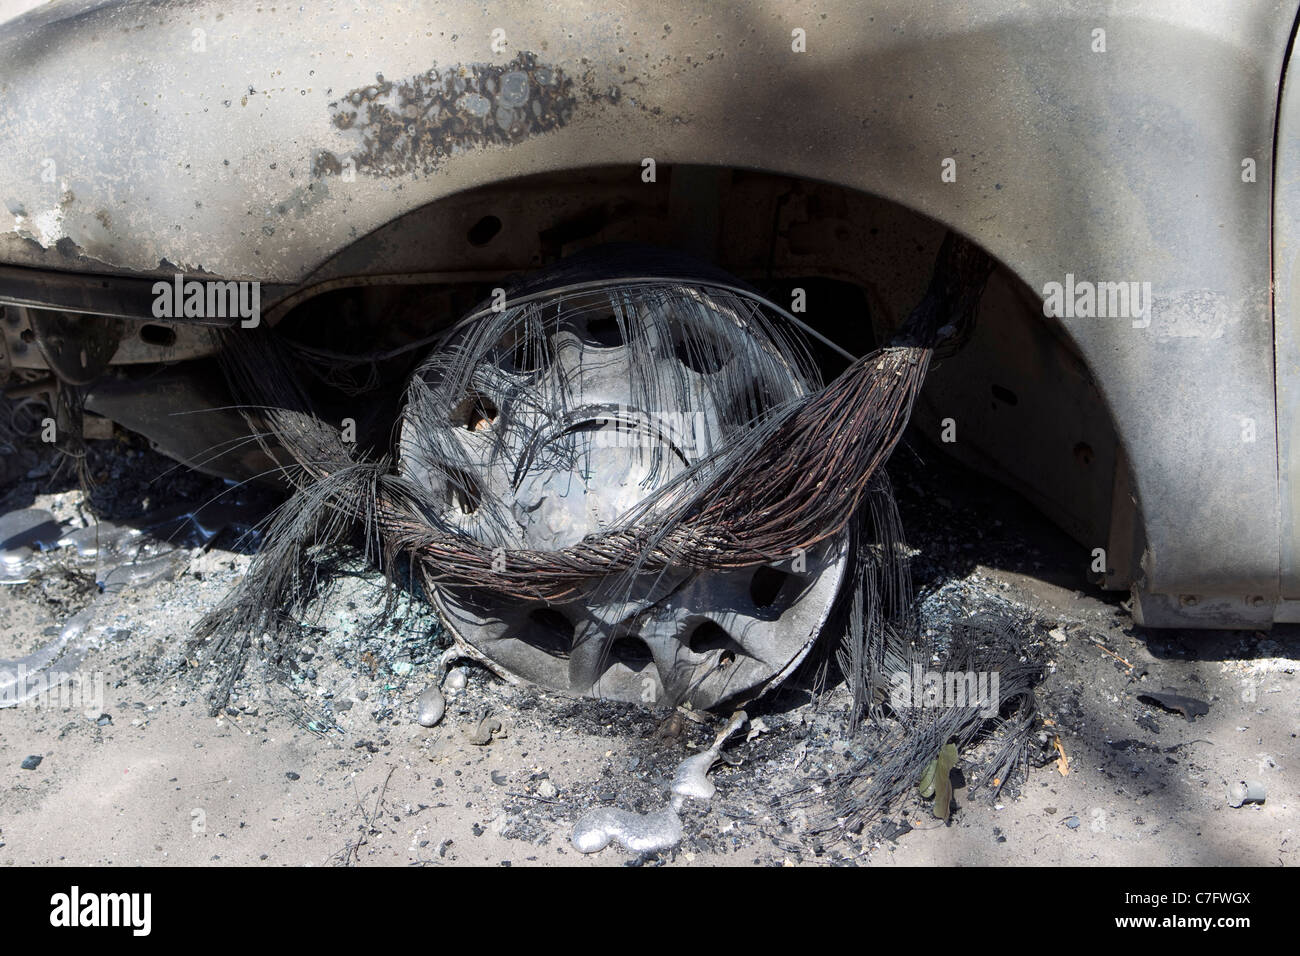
x=565 y=467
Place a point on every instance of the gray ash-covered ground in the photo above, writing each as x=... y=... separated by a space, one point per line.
x=319 y=760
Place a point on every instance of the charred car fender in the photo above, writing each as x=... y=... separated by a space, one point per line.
x=1093 y=151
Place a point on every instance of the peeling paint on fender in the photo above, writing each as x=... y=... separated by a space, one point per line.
x=413 y=125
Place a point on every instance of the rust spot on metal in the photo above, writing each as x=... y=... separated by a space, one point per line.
x=414 y=125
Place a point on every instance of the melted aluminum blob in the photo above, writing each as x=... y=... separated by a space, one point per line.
x=661 y=830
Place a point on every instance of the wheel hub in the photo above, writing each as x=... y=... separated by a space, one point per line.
x=548 y=440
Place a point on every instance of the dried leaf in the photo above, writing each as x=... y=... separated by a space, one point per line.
x=943 y=782
x=927 y=779
x=935 y=780
x=1062 y=762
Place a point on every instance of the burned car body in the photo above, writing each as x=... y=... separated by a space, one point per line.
x=396 y=182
